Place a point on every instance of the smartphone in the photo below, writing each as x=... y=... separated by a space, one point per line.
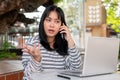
x=62 y=35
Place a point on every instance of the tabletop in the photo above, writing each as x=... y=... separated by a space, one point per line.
x=52 y=75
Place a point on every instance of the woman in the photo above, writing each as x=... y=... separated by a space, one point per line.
x=53 y=48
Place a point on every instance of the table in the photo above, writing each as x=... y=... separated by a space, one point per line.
x=52 y=75
x=10 y=66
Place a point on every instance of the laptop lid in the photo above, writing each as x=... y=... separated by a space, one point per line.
x=101 y=56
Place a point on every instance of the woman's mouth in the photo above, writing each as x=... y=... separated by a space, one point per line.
x=51 y=31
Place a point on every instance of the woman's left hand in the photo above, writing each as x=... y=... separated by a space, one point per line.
x=64 y=30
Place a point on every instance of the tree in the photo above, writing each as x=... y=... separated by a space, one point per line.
x=113 y=19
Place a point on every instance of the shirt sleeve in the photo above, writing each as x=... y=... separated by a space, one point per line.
x=29 y=63
x=74 y=59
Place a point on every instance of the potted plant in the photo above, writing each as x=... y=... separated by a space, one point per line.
x=5 y=51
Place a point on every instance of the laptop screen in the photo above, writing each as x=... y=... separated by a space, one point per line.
x=101 y=55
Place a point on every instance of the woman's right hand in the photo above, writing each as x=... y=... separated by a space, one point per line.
x=33 y=51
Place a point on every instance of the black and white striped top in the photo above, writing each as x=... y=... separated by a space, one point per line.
x=50 y=59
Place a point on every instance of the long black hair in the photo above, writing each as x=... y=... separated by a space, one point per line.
x=60 y=45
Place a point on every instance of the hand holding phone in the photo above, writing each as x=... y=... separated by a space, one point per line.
x=62 y=34
x=65 y=33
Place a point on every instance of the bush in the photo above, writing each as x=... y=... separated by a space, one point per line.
x=8 y=56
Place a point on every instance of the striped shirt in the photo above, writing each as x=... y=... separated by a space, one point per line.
x=50 y=59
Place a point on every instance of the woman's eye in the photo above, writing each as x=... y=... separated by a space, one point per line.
x=57 y=21
x=48 y=20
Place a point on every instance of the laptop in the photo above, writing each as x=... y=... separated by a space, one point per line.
x=101 y=57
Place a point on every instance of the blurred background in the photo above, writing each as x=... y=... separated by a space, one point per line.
x=19 y=20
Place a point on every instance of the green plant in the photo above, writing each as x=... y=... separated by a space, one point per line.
x=6 y=46
x=8 y=56
x=4 y=51
x=56 y=1
x=113 y=19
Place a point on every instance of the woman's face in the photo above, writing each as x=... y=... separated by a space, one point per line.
x=52 y=24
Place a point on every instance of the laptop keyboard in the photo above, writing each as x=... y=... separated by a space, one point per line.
x=72 y=72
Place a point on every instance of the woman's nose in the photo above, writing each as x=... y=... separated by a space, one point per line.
x=52 y=24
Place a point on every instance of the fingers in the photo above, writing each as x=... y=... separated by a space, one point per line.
x=36 y=46
x=26 y=49
x=39 y=46
x=31 y=49
x=63 y=24
x=63 y=29
x=23 y=42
